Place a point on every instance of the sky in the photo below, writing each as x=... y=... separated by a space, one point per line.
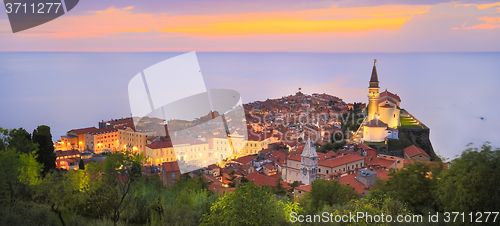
x=265 y=26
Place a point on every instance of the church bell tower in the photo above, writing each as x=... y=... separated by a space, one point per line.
x=373 y=94
x=308 y=163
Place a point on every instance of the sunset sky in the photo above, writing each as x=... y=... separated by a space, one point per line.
x=266 y=25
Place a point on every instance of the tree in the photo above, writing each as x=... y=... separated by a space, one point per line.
x=327 y=192
x=9 y=182
x=19 y=171
x=3 y=138
x=414 y=185
x=293 y=185
x=248 y=204
x=20 y=140
x=46 y=155
x=279 y=189
x=472 y=182
x=62 y=191
x=81 y=165
x=232 y=180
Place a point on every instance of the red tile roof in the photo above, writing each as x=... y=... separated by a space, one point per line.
x=160 y=144
x=305 y=187
x=389 y=94
x=365 y=147
x=245 y=159
x=351 y=181
x=381 y=162
x=105 y=130
x=339 y=161
x=85 y=130
x=260 y=179
x=414 y=150
x=170 y=166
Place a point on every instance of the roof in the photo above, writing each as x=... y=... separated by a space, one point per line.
x=66 y=153
x=213 y=166
x=306 y=187
x=105 y=130
x=389 y=94
x=84 y=130
x=342 y=160
x=350 y=180
x=270 y=167
x=244 y=160
x=171 y=166
x=365 y=147
x=381 y=162
x=414 y=150
x=374 y=78
x=160 y=144
x=375 y=123
x=260 y=179
x=309 y=149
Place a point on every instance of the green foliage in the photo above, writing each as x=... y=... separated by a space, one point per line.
x=279 y=189
x=248 y=204
x=20 y=140
x=81 y=165
x=415 y=185
x=327 y=192
x=46 y=155
x=3 y=138
x=27 y=214
x=335 y=146
x=232 y=179
x=9 y=178
x=472 y=182
x=19 y=171
x=293 y=185
x=376 y=203
x=399 y=144
x=29 y=169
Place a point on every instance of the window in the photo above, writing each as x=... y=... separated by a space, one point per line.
x=326 y=171
x=319 y=170
x=173 y=175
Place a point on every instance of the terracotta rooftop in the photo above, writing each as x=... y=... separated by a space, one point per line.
x=160 y=144
x=260 y=179
x=342 y=160
x=170 y=166
x=365 y=147
x=244 y=160
x=389 y=94
x=375 y=123
x=84 y=130
x=414 y=150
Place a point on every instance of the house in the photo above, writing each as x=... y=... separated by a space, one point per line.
x=415 y=153
x=301 y=190
x=213 y=170
x=270 y=170
x=68 y=159
x=170 y=172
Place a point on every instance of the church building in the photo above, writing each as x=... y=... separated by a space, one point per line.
x=383 y=111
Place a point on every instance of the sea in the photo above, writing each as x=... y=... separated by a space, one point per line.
x=454 y=94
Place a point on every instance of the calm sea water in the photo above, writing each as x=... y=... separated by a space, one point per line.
x=449 y=92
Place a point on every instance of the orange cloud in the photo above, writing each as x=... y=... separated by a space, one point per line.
x=293 y=26
x=358 y=19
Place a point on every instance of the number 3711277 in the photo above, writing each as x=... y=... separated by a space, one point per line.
x=33 y=8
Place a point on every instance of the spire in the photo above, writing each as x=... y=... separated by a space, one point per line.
x=309 y=149
x=374 y=78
